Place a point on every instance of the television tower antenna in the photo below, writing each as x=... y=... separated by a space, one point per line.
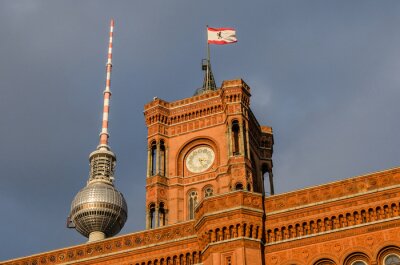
x=107 y=93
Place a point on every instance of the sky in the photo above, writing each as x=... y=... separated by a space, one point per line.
x=324 y=74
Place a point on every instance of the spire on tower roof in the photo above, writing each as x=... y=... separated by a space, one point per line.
x=209 y=81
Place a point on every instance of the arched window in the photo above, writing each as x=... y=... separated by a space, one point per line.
x=208 y=192
x=162 y=158
x=239 y=186
x=152 y=219
x=392 y=259
x=192 y=203
x=153 y=158
x=162 y=214
x=235 y=137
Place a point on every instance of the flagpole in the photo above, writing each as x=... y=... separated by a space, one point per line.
x=208 y=62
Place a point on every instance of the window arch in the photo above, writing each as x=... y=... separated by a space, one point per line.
x=389 y=255
x=357 y=258
x=192 y=202
x=325 y=262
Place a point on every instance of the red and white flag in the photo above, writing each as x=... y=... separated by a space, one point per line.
x=221 y=35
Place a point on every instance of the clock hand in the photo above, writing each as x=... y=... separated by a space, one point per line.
x=203 y=161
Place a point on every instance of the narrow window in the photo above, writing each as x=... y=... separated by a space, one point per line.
x=153 y=158
x=162 y=213
x=192 y=203
x=152 y=219
x=235 y=135
x=162 y=158
x=208 y=192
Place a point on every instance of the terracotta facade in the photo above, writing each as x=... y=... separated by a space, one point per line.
x=215 y=211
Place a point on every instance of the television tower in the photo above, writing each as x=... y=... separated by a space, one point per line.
x=99 y=210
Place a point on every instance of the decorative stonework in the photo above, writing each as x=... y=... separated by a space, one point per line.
x=130 y=242
x=334 y=190
x=227 y=201
x=341 y=246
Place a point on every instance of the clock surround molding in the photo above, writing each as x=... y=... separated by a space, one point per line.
x=190 y=146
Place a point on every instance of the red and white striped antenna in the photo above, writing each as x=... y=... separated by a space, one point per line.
x=107 y=93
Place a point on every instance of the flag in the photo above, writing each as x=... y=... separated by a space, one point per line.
x=221 y=35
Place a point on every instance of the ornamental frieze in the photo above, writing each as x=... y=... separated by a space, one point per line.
x=109 y=246
x=334 y=190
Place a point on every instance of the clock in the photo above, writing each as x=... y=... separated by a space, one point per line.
x=200 y=159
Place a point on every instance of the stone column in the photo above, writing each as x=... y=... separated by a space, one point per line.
x=157 y=218
x=166 y=162
x=271 y=182
x=230 y=144
x=246 y=230
x=241 y=139
x=240 y=230
x=149 y=166
x=246 y=133
x=147 y=219
x=259 y=232
x=213 y=236
x=272 y=237
x=300 y=231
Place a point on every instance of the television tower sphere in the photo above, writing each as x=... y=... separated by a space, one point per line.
x=98 y=208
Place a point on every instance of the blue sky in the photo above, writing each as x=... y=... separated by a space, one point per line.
x=323 y=74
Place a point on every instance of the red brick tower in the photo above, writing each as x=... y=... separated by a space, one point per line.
x=202 y=146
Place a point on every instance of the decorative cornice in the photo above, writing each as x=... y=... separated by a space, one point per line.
x=112 y=246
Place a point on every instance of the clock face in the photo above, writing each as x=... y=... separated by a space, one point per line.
x=200 y=159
